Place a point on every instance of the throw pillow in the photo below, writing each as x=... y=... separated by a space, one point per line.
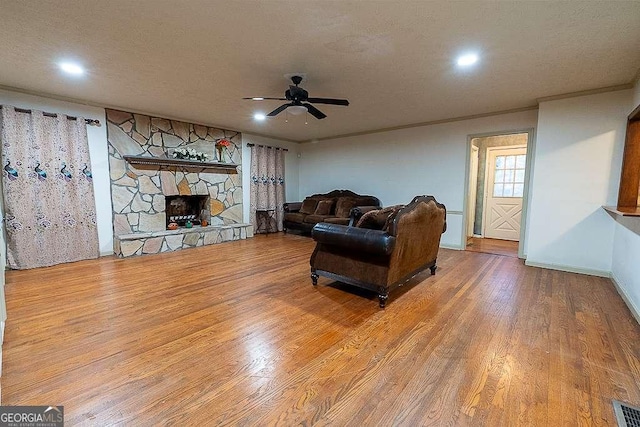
x=379 y=219
x=324 y=207
x=343 y=206
x=370 y=220
x=308 y=206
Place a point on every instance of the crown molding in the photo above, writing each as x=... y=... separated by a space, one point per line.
x=429 y=123
x=630 y=85
x=586 y=92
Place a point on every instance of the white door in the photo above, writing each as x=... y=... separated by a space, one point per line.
x=504 y=191
x=473 y=185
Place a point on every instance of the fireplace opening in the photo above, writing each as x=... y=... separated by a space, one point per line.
x=181 y=209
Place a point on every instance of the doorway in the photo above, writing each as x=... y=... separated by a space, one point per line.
x=496 y=196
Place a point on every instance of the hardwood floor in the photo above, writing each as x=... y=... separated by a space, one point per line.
x=493 y=246
x=235 y=334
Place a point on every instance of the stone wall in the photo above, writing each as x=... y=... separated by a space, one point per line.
x=138 y=192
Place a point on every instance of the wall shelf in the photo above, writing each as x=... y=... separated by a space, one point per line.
x=181 y=163
x=621 y=211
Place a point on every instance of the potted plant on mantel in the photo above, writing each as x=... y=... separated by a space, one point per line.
x=220 y=145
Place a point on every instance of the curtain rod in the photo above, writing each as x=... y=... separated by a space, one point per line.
x=91 y=122
x=267 y=146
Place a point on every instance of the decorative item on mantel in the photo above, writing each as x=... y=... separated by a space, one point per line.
x=189 y=154
x=220 y=145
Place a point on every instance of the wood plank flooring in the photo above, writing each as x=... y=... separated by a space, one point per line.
x=493 y=246
x=235 y=334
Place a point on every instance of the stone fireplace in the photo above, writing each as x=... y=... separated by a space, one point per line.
x=179 y=209
x=144 y=194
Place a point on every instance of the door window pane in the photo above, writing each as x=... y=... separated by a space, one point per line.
x=508 y=190
x=518 y=190
x=509 y=175
x=508 y=178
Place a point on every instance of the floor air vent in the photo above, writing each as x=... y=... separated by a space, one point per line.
x=627 y=415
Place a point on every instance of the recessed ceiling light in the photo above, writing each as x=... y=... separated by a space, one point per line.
x=259 y=116
x=258 y=98
x=71 y=68
x=468 y=59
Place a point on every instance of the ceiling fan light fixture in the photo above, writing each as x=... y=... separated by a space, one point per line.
x=296 y=110
x=258 y=98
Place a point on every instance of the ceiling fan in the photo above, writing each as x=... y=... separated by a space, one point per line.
x=300 y=101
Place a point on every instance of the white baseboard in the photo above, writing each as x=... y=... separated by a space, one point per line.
x=635 y=311
x=455 y=248
x=106 y=253
x=568 y=268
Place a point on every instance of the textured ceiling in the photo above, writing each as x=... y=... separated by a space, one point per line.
x=394 y=60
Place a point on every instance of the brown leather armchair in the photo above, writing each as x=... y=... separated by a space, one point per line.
x=381 y=260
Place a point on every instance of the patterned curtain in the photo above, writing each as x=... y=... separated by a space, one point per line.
x=49 y=207
x=267 y=187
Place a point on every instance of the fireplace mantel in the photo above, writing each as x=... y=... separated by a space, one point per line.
x=181 y=163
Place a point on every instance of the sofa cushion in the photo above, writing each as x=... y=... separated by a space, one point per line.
x=309 y=206
x=378 y=219
x=334 y=220
x=344 y=206
x=294 y=217
x=324 y=207
x=366 y=201
x=313 y=219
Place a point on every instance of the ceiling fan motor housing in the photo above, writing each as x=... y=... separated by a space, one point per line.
x=296 y=94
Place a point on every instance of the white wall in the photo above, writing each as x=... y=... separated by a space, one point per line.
x=625 y=268
x=577 y=162
x=291 y=177
x=397 y=165
x=97 y=136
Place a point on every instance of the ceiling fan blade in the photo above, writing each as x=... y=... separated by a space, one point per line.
x=280 y=109
x=329 y=101
x=314 y=111
x=260 y=98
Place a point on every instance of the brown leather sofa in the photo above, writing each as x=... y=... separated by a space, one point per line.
x=334 y=207
x=385 y=249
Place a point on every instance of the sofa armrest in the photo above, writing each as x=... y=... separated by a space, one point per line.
x=357 y=212
x=356 y=239
x=292 y=206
